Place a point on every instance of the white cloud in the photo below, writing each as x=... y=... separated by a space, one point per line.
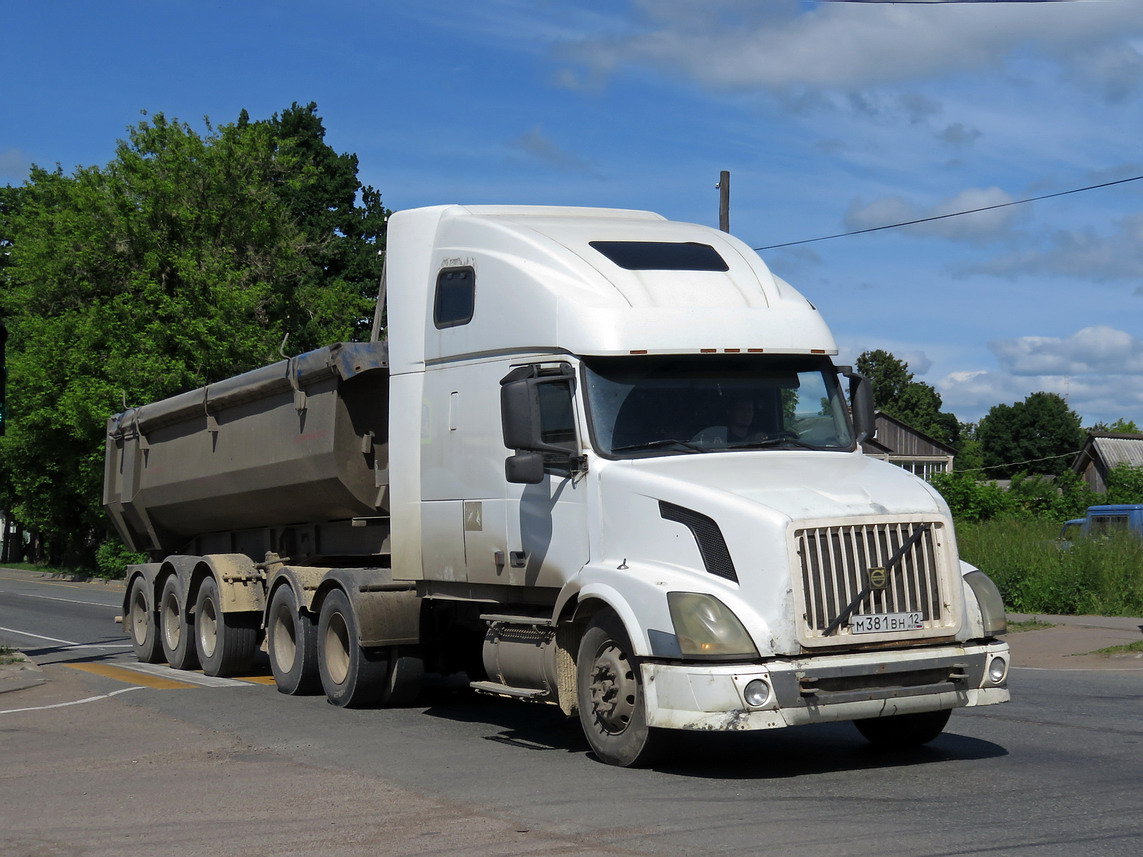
x=1099 y=350
x=852 y=46
x=980 y=227
x=1098 y=370
x=1076 y=253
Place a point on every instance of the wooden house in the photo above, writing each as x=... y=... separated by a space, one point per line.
x=1104 y=450
x=901 y=444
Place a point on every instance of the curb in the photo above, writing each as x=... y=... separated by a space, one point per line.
x=1111 y=623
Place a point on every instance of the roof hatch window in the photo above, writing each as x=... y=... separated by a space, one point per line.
x=661 y=255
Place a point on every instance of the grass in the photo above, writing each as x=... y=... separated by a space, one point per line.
x=1126 y=649
x=1036 y=575
x=10 y=656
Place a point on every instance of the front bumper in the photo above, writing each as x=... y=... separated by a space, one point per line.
x=711 y=697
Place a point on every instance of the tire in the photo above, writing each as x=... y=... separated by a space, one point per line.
x=291 y=640
x=176 y=631
x=903 y=731
x=406 y=672
x=142 y=624
x=352 y=677
x=225 y=642
x=612 y=703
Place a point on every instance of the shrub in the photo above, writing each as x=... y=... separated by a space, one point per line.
x=112 y=558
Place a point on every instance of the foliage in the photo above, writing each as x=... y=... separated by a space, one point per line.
x=1120 y=426
x=914 y=402
x=1092 y=576
x=1124 y=485
x=1028 y=497
x=969 y=455
x=112 y=557
x=970 y=498
x=183 y=261
x=1037 y=434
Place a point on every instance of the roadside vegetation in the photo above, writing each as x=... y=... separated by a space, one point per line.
x=1013 y=535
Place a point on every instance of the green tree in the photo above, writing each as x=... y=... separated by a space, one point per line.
x=1120 y=426
x=183 y=261
x=969 y=456
x=1036 y=435
x=914 y=402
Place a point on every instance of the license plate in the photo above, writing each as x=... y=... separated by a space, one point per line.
x=880 y=623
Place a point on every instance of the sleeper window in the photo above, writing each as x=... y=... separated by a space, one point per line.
x=455 y=297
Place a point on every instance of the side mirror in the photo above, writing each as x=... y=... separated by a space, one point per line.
x=536 y=410
x=525 y=468
x=521 y=412
x=861 y=403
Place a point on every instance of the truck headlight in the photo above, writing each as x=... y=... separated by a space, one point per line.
x=991 y=604
x=706 y=627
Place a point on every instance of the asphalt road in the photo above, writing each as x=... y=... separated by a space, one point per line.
x=240 y=769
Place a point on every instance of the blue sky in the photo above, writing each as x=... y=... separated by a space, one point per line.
x=831 y=116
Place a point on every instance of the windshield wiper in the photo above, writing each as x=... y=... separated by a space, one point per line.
x=775 y=441
x=659 y=444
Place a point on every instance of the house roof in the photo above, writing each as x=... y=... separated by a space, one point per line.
x=1111 y=449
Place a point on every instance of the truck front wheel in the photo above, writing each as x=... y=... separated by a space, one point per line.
x=351 y=676
x=225 y=642
x=609 y=690
x=291 y=639
x=903 y=731
x=175 y=631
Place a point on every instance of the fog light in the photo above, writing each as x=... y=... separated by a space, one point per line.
x=757 y=693
x=997 y=670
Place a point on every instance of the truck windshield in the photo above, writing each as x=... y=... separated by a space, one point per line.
x=664 y=405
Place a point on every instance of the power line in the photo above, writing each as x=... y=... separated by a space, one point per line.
x=951 y=214
x=1015 y=463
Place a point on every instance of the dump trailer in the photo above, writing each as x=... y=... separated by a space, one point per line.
x=598 y=460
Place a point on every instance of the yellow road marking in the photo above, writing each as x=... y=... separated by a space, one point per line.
x=132 y=676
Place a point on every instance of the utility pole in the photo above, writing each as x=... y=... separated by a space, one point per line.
x=724 y=200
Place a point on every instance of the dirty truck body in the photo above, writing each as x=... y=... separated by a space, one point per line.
x=599 y=460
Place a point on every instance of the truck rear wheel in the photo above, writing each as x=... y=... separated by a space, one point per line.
x=291 y=640
x=176 y=630
x=225 y=642
x=142 y=624
x=903 y=731
x=609 y=690
x=351 y=676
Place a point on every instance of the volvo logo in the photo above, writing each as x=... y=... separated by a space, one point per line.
x=878 y=577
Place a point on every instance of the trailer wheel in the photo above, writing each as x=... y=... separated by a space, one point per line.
x=291 y=640
x=225 y=642
x=903 y=731
x=609 y=689
x=142 y=624
x=351 y=676
x=176 y=631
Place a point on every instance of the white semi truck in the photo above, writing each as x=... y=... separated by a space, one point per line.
x=595 y=459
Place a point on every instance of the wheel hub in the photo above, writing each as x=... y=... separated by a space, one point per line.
x=613 y=690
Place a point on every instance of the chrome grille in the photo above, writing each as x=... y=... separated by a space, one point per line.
x=835 y=562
